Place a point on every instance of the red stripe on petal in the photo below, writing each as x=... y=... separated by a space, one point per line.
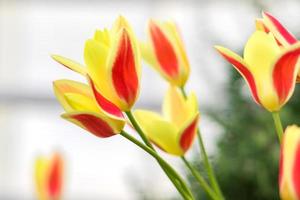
x=95 y=125
x=296 y=172
x=188 y=135
x=124 y=75
x=105 y=104
x=55 y=178
x=164 y=51
x=246 y=74
x=283 y=74
x=281 y=29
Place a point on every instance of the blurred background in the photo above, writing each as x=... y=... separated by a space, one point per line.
x=238 y=134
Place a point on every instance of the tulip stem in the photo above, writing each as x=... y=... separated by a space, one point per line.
x=207 y=165
x=278 y=125
x=178 y=182
x=171 y=174
x=138 y=129
x=202 y=182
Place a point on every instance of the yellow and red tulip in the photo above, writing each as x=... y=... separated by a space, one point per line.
x=269 y=70
x=49 y=177
x=289 y=176
x=173 y=131
x=165 y=52
x=113 y=70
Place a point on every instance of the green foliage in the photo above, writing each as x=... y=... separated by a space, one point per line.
x=246 y=161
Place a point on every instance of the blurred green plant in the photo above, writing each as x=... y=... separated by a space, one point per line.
x=246 y=158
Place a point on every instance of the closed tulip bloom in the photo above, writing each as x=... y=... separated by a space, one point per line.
x=165 y=52
x=49 y=177
x=173 y=131
x=289 y=176
x=269 y=70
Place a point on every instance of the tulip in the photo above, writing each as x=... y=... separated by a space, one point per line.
x=269 y=70
x=112 y=61
x=165 y=52
x=289 y=177
x=173 y=131
x=113 y=70
x=49 y=177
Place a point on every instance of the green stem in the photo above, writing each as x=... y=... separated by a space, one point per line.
x=162 y=162
x=278 y=125
x=138 y=129
x=200 y=180
x=170 y=172
x=208 y=168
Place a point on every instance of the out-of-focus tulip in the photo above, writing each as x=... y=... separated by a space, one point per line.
x=269 y=70
x=165 y=52
x=113 y=70
x=49 y=177
x=112 y=58
x=175 y=130
x=289 y=175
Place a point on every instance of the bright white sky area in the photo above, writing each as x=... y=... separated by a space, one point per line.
x=29 y=115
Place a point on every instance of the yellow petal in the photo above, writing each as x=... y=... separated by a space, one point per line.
x=61 y=87
x=260 y=52
x=73 y=65
x=41 y=170
x=176 y=108
x=95 y=56
x=79 y=102
x=162 y=133
x=103 y=37
x=120 y=23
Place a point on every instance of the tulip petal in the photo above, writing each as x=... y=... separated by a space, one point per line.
x=95 y=56
x=260 y=26
x=280 y=32
x=162 y=133
x=103 y=37
x=97 y=124
x=164 y=51
x=107 y=106
x=62 y=87
x=41 y=165
x=240 y=65
x=188 y=133
x=124 y=69
x=176 y=108
x=296 y=172
x=289 y=176
x=55 y=177
x=285 y=72
x=70 y=64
